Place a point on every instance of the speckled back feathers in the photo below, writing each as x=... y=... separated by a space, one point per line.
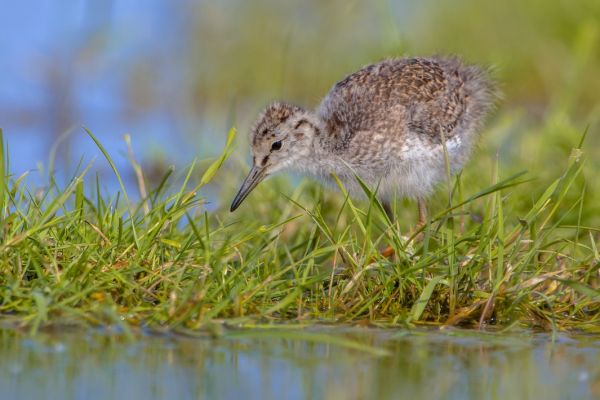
x=419 y=96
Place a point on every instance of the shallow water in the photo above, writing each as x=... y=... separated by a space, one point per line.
x=332 y=363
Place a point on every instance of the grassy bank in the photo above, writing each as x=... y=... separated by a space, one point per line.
x=502 y=248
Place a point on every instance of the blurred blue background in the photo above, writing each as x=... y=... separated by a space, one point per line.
x=177 y=75
x=115 y=67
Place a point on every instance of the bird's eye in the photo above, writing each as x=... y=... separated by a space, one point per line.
x=276 y=145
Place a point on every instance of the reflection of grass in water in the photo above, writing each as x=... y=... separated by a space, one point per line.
x=506 y=250
x=319 y=362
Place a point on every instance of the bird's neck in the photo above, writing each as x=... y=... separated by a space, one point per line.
x=321 y=160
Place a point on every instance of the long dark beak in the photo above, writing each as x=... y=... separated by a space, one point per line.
x=256 y=175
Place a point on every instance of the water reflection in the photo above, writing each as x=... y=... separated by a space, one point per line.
x=420 y=365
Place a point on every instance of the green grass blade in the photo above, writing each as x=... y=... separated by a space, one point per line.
x=121 y=184
x=419 y=306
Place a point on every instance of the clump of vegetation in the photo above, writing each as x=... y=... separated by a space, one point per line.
x=498 y=251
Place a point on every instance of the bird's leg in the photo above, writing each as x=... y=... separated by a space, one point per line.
x=421 y=220
x=422 y=205
x=387 y=207
x=388 y=252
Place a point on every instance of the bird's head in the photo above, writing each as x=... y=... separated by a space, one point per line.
x=281 y=138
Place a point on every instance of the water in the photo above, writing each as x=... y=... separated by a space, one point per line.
x=332 y=363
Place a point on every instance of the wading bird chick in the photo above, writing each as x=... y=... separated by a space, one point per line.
x=387 y=123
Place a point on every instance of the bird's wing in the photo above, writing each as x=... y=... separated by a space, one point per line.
x=396 y=97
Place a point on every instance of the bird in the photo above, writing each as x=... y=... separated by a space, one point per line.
x=396 y=124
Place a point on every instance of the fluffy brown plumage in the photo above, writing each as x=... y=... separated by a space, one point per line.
x=388 y=122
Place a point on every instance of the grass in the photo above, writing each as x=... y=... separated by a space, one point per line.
x=503 y=248
x=498 y=251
